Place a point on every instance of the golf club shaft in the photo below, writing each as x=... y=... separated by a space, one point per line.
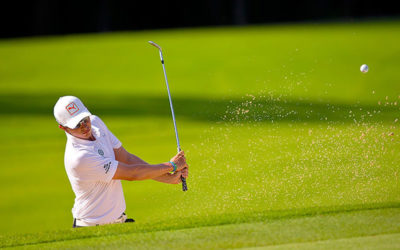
x=172 y=107
x=184 y=186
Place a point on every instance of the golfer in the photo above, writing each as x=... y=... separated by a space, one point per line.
x=96 y=162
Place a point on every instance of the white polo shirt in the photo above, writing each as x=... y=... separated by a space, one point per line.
x=90 y=167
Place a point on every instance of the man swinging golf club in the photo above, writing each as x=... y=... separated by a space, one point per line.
x=96 y=162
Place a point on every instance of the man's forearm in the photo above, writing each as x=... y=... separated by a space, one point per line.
x=167 y=178
x=146 y=171
x=133 y=159
x=124 y=156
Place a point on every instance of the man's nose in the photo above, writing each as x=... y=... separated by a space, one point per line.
x=85 y=125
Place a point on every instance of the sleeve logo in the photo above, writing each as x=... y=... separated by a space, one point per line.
x=107 y=167
x=72 y=108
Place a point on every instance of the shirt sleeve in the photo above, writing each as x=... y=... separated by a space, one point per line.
x=115 y=143
x=94 y=167
x=114 y=140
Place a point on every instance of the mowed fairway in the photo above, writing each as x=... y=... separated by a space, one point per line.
x=289 y=144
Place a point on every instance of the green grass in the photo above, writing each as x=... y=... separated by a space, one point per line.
x=304 y=229
x=289 y=145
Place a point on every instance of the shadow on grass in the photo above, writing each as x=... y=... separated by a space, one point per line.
x=17 y=240
x=249 y=109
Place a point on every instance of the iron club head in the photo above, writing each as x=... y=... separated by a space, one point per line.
x=155 y=45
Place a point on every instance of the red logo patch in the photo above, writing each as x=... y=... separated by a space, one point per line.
x=72 y=108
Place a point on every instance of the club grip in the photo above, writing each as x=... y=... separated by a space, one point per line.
x=184 y=186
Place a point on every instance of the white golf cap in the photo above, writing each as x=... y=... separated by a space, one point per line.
x=69 y=111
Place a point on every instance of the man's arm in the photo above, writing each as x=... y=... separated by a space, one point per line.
x=138 y=172
x=144 y=171
x=124 y=156
x=173 y=178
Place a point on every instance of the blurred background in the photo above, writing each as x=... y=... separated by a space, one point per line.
x=47 y=17
x=273 y=112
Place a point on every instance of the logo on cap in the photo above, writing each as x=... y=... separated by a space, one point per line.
x=72 y=108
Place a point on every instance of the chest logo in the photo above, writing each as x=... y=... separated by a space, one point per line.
x=72 y=108
x=101 y=152
x=107 y=167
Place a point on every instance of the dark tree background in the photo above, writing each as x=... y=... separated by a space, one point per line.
x=49 y=17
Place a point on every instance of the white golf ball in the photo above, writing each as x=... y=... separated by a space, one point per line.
x=364 y=68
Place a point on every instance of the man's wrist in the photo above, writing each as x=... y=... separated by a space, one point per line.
x=173 y=166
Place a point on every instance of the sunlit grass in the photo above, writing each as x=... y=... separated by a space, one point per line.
x=276 y=121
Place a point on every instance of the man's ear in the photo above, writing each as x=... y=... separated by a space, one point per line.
x=61 y=127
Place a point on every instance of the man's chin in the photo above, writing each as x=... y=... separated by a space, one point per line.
x=88 y=133
x=85 y=136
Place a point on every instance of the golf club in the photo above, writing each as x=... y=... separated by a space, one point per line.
x=184 y=186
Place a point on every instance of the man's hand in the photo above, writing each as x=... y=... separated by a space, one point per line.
x=173 y=178
x=181 y=168
x=180 y=161
x=185 y=172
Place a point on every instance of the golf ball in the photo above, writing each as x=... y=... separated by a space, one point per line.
x=364 y=68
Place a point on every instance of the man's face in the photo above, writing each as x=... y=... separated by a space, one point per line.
x=83 y=130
